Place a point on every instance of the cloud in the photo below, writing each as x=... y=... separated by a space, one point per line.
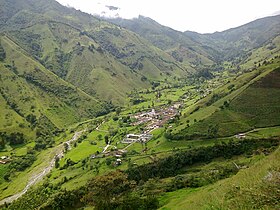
x=112 y=8
x=196 y=15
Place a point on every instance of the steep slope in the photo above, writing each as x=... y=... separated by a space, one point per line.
x=270 y=50
x=243 y=107
x=102 y=59
x=256 y=187
x=182 y=48
x=33 y=97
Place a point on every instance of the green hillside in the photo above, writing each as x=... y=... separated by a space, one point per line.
x=253 y=188
x=102 y=113
x=237 y=44
x=234 y=45
x=29 y=92
x=182 y=48
x=89 y=52
x=227 y=111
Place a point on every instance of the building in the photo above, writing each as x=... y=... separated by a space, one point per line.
x=4 y=159
x=118 y=162
x=141 y=138
x=240 y=136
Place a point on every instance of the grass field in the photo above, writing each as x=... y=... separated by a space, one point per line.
x=265 y=132
x=254 y=105
x=242 y=191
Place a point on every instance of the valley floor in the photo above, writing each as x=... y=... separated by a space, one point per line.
x=96 y=148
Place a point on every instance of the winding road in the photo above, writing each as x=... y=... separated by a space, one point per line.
x=40 y=175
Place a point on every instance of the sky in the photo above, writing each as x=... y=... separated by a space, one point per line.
x=203 y=16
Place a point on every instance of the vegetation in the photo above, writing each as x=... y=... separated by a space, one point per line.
x=120 y=190
x=2 y=53
x=73 y=86
x=255 y=107
x=170 y=166
x=252 y=187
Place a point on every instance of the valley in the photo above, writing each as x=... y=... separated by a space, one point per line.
x=103 y=113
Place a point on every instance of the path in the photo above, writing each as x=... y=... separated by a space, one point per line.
x=105 y=148
x=39 y=176
x=98 y=127
x=128 y=145
x=259 y=129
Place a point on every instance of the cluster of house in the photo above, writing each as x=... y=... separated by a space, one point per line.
x=118 y=154
x=153 y=120
x=140 y=138
x=156 y=119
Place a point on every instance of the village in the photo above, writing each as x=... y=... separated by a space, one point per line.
x=150 y=120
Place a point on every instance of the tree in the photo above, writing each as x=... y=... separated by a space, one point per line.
x=2 y=53
x=16 y=138
x=96 y=168
x=2 y=143
x=106 y=138
x=213 y=131
x=31 y=118
x=7 y=176
x=39 y=144
x=106 y=191
x=66 y=147
x=56 y=164
x=226 y=104
x=118 y=110
x=99 y=137
x=109 y=161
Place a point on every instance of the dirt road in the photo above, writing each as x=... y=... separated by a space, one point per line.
x=40 y=175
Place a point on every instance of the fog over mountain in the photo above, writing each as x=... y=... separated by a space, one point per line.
x=199 y=15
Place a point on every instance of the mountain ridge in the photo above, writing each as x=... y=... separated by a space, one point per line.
x=216 y=46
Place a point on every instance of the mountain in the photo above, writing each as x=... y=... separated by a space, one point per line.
x=183 y=48
x=62 y=39
x=75 y=89
x=33 y=97
x=248 y=102
x=134 y=53
x=234 y=45
x=237 y=43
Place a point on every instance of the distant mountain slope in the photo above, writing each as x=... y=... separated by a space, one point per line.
x=181 y=47
x=102 y=59
x=234 y=45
